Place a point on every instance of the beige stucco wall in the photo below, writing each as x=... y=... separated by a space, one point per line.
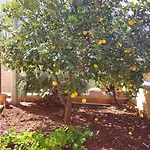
x=5 y=79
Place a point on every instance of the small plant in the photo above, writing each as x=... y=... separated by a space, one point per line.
x=68 y=136
x=71 y=136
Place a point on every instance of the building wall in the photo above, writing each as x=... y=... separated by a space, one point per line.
x=5 y=80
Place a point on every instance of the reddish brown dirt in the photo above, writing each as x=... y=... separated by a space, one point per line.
x=113 y=125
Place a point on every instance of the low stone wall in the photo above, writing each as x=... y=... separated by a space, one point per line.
x=29 y=98
x=146 y=105
x=146 y=108
x=99 y=100
x=147 y=95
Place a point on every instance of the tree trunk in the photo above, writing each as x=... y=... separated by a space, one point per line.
x=114 y=94
x=59 y=90
x=68 y=104
x=68 y=109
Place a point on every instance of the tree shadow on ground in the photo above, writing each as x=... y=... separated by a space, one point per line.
x=112 y=125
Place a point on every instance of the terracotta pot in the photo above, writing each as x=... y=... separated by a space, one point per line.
x=3 y=98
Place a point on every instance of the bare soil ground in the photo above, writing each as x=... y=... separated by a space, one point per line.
x=113 y=124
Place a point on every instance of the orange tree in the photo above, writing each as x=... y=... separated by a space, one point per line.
x=123 y=46
x=75 y=41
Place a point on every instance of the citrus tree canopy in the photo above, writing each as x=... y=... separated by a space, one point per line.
x=78 y=40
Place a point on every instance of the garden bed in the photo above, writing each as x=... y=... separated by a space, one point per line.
x=112 y=124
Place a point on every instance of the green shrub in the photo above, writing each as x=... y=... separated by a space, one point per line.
x=34 y=82
x=68 y=136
